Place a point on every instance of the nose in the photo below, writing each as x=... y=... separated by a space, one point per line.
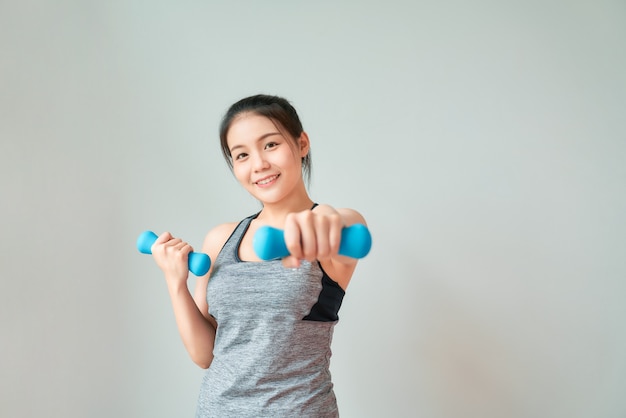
x=259 y=163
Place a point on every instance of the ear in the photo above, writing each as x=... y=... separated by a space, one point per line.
x=305 y=144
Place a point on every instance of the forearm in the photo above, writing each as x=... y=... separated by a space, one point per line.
x=197 y=333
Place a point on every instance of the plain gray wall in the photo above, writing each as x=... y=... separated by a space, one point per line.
x=484 y=141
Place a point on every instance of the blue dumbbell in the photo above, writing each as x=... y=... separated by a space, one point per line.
x=269 y=243
x=199 y=263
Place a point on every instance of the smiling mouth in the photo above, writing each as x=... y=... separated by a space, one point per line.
x=267 y=180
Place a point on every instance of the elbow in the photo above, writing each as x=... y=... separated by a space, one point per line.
x=204 y=362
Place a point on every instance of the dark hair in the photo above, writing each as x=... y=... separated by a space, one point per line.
x=278 y=110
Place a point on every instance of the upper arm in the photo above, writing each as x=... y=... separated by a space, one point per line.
x=213 y=243
x=351 y=217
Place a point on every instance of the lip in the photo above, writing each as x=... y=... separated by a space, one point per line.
x=272 y=179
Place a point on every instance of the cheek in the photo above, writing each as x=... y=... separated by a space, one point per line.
x=241 y=174
x=291 y=158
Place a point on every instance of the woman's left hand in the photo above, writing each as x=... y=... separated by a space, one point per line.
x=312 y=235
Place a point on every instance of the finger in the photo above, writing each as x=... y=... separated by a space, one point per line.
x=173 y=243
x=182 y=251
x=177 y=244
x=185 y=248
x=334 y=235
x=308 y=237
x=322 y=228
x=164 y=237
x=293 y=237
x=159 y=243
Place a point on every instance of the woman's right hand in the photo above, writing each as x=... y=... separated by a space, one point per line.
x=171 y=255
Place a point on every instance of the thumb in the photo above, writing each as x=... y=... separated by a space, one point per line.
x=164 y=237
x=291 y=262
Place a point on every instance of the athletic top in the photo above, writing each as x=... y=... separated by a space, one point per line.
x=272 y=347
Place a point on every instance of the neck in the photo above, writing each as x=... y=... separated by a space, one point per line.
x=275 y=213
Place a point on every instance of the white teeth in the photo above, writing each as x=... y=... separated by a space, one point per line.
x=267 y=180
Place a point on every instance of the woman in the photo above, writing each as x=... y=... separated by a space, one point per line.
x=263 y=329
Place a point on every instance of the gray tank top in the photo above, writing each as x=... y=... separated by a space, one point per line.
x=272 y=348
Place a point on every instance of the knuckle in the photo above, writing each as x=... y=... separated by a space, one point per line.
x=310 y=253
x=292 y=246
x=306 y=215
x=322 y=220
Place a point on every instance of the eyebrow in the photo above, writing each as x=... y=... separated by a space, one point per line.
x=261 y=138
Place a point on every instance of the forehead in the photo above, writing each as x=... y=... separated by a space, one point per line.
x=249 y=127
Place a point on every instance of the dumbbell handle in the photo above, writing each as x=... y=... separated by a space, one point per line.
x=269 y=242
x=199 y=263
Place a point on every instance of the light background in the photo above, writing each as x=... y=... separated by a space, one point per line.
x=484 y=142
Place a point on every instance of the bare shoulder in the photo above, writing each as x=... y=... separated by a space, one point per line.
x=213 y=243
x=216 y=238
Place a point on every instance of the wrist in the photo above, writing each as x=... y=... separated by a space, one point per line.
x=176 y=285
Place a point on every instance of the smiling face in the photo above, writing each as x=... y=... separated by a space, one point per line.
x=267 y=161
